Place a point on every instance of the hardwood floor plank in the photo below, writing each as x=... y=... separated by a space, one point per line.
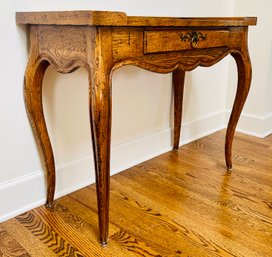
x=9 y=247
x=191 y=221
x=134 y=245
x=168 y=228
x=22 y=235
x=209 y=198
x=47 y=235
x=81 y=222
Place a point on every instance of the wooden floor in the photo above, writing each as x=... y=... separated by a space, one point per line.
x=182 y=203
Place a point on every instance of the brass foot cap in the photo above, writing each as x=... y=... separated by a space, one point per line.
x=229 y=168
x=104 y=244
x=49 y=205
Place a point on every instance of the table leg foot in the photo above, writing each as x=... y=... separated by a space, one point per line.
x=49 y=205
x=104 y=243
x=229 y=167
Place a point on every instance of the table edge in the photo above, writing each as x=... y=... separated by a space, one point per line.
x=109 y=18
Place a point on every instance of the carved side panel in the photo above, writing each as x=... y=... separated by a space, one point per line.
x=65 y=47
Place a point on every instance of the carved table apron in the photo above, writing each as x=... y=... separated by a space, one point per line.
x=104 y=41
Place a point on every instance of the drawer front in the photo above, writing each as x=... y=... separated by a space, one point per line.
x=176 y=40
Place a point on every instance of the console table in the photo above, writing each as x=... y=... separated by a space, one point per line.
x=104 y=41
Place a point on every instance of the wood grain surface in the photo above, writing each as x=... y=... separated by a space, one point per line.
x=104 y=18
x=182 y=203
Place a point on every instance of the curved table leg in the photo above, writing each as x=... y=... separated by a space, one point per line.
x=244 y=80
x=33 y=101
x=178 y=87
x=100 y=117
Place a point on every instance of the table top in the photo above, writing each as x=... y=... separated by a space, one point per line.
x=106 y=18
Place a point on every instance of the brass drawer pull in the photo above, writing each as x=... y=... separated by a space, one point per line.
x=193 y=37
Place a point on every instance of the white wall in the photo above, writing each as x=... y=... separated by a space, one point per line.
x=141 y=106
x=256 y=118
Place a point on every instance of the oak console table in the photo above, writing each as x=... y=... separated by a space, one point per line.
x=104 y=41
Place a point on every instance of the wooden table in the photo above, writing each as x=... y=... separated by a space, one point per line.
x=104 y=41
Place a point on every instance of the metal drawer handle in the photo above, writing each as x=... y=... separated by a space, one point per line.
x=193 y=37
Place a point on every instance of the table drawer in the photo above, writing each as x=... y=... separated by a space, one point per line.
x=174 y=40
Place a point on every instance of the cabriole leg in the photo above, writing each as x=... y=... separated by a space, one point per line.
x=33 y=101
x=244 y=80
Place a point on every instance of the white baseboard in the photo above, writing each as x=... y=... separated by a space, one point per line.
x=202 y=127
x=29 y=191
x=253 y=125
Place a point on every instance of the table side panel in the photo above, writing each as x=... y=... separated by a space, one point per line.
x=65 y=47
